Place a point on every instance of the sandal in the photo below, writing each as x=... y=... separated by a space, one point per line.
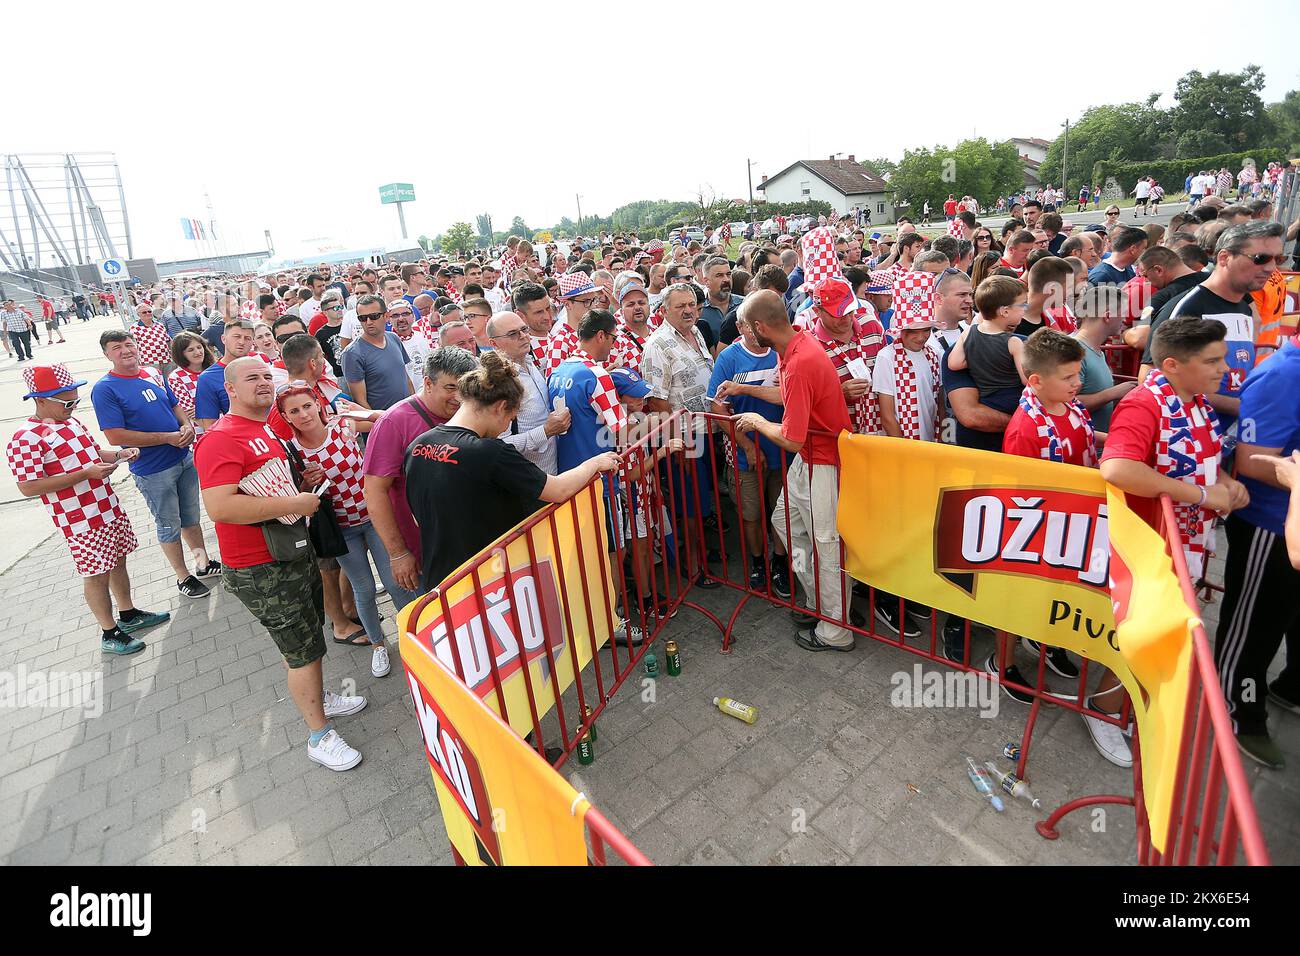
x=355 y=639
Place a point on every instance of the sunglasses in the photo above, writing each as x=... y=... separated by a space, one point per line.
x=334 y=308
x=69 y=404
x=287 y=386
x=368 y=318
x=1264 y=258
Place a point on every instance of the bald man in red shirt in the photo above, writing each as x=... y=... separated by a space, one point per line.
x=814 y=415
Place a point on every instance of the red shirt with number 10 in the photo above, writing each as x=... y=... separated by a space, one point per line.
x=232 y=449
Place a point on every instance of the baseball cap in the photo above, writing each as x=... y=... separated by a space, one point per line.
x=629 y=383
x=630 y=286
x=835 y=295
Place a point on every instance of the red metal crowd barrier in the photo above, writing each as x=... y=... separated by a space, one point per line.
x=658 y=509
x=1208 y=752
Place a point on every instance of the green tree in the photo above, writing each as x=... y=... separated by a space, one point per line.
x=484 y=222
x=986 y=170
x=519 y=228
x=1114 y=132
x=1219 y=112
x=425 y=243
x=975 y=166
x=1285 y=117
x=882 y=166
x=459 y=238
x=920 y=177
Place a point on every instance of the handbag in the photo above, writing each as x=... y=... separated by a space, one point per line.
x=287 y=542
x=323 y=528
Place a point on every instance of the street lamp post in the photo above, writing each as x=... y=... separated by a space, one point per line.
x=579 y=198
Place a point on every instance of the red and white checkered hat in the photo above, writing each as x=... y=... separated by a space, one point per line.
x=880 y=282
x=574 y=284
x=46 y=380
x=654 y=245
x=913 y=301
x=819 y=260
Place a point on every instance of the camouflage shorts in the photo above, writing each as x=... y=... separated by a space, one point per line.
x=287 y=598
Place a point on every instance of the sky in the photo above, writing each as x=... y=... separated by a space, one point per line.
x=290 y=115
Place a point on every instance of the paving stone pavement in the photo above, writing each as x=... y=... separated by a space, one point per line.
x=197 y=756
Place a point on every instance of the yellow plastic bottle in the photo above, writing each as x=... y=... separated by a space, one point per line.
x=746 y=712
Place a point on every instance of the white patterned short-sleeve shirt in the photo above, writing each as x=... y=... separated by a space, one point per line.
x=676 y=371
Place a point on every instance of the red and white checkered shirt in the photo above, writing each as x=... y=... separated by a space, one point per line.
x=867 y=340
x=152 y=342
x=562 y=342
x=604 y=397
x=340 y=459
x=183 y=383
x=42 y=449
x=251 y=313
x=627 y=349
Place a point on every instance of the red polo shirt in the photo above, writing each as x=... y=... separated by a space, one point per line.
x=814 y=401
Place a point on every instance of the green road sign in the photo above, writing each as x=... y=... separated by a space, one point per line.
x=397 y=192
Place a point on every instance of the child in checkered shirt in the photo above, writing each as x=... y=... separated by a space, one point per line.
x=1050 y=423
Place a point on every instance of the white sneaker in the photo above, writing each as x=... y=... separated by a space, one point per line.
x=333 y=751
x=337 y=705
x=1109 y=741
x=379 y=666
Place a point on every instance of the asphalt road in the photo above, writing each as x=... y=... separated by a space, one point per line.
x=1167 y=211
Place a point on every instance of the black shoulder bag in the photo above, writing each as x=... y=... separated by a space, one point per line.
x=323 y=527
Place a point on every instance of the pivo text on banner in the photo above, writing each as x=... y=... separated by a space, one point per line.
x=545 y=605
x=502 y=804
x=1034 y=548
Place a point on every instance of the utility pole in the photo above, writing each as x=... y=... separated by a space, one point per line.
x=749 y=172
x=1065 y=159
x=579 y=198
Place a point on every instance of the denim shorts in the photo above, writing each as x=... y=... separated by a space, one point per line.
x=173 y=498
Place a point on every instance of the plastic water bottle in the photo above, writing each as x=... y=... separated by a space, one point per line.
x=1013 y=785
x=746 y=712
x=980 y=778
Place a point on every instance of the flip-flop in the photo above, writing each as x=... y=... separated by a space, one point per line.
x=355 y=639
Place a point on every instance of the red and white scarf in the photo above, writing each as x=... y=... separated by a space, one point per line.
x=907 y=405
x=1181 y=456
x=509 y=263
x=1049 y=442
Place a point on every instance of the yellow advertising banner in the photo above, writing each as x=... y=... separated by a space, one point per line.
x=502 y=804
x=1035 y=548
x=532 y=607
